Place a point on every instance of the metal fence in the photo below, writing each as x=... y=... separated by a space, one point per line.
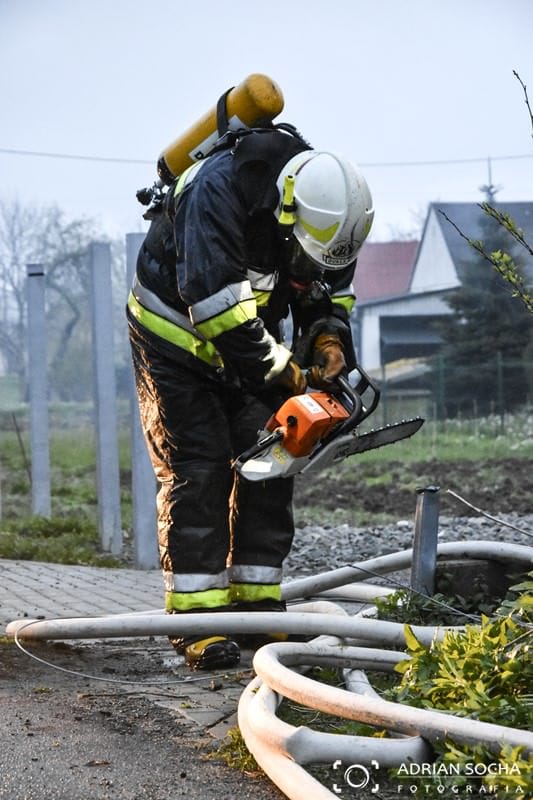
x=483 y=396
x=441 y=391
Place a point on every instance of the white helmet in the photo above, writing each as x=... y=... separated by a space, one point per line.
x=333 y=210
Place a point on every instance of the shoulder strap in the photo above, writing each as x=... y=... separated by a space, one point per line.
x=222 y=113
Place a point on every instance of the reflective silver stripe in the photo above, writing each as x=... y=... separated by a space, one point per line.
x=344 y=293
x=249 y=573
x=260 y=282
x=226 y=298
x=153 y=303
x=194 y=582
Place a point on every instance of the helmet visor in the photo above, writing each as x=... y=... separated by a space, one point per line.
x=301 y=269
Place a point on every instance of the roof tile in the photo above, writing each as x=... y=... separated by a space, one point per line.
x=384 y=270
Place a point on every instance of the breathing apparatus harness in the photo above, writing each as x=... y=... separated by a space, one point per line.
x=302 y=278
x=154 y=196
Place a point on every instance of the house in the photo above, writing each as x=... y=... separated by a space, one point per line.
x=401 y=287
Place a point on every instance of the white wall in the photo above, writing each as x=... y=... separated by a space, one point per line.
x=434 y=272
x=434 y=268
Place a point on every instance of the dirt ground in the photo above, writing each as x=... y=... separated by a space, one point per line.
x=501 y=486
x=64 y=737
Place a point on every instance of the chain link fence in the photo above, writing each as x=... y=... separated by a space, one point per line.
x=480 y=394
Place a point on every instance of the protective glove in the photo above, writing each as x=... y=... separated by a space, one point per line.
x=328 y=355
x=285 y=371
x=291 y=378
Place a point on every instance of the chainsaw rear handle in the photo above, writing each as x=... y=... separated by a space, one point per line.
x=257 y=448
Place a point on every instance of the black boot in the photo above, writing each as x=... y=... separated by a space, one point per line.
x=212 y=652
x=206 y=652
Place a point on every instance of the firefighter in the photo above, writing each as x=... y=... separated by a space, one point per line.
x=264 y=230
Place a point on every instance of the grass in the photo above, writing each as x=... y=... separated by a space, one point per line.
x=234 y=753
x=469 y=439
x=70 y=535
x=61 y=540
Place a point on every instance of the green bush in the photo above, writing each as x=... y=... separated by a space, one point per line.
x=483 y=672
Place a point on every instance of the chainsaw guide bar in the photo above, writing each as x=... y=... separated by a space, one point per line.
x=352 y=443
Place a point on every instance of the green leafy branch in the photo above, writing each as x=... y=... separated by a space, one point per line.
x=507 y=222
x=484 y=672
x=501 y=261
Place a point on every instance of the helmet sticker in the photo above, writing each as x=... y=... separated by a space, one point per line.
x=342 y=254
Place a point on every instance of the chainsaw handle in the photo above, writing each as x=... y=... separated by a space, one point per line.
x=252 y=451
x=355 y=399
x=359 y=411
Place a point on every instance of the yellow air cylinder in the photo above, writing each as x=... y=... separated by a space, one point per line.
x=255 y=101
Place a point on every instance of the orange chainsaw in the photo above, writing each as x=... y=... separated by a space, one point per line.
x=314 y=430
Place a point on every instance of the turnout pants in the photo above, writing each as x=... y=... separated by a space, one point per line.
x=221 y=538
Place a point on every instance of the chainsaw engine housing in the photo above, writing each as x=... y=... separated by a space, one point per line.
x=312 y=431
x=306 y=419
x=292 y=435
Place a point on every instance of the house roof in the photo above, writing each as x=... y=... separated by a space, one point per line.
x=475 y=224
x=384 y=270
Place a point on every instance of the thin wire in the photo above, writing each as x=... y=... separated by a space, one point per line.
x=437 y=162
x=46 y=663
x=75 y=157
x=489 y=516
x=405 y=586
x=113 y=159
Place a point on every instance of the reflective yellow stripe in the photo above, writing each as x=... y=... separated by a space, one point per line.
x=320 y=234
x=261 y=298
x=347 y=302
x=229 y=319
x=182 y=179
x=288 y=209
x=186 y=601
x=205 y=351
x=196 y=649
x=252 y=592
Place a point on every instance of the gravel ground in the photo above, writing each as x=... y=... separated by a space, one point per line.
x=317 y=548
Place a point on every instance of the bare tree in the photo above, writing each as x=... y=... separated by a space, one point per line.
x=41 y=235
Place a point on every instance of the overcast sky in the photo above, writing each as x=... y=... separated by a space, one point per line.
x=389 y=83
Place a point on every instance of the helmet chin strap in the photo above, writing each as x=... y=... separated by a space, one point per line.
x=303 y=273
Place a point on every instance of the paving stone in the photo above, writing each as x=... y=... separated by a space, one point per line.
x=30 y=589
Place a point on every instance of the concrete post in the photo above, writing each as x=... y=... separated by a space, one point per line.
x=424 y=564
x=107 y=467
x=143 y=483
x=38 y=391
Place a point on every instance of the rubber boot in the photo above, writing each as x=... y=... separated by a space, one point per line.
x=213 y=652
x=207 y=652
